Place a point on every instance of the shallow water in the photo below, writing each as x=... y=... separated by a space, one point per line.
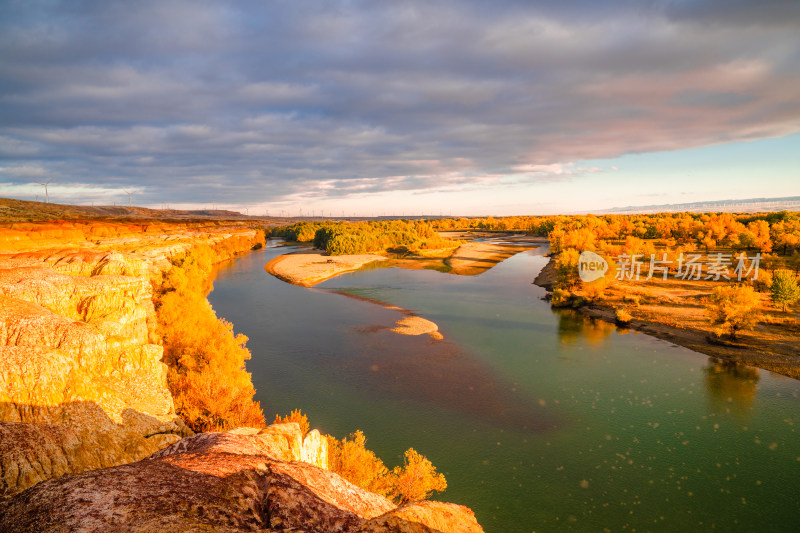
x=540 y=420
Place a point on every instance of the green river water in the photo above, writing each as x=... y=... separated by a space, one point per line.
x=541 y=421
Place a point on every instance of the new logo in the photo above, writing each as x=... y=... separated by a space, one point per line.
x=591 y=266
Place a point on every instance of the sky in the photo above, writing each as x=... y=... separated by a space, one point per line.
x=399 y=108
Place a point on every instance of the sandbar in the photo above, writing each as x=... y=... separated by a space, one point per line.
x=473 y=258
x=309 y=267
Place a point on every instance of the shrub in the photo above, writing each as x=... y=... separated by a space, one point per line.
x=634 y=299
x=561 y=298
x=350 y=459
x=210 y=387
x=595 y=290
x=295 y=416
x=784 y=288
x=622 y=316
x=567 y=269
x=764 y=281
x=417 y=479
x=733 y=308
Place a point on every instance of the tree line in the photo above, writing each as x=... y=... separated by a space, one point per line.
x=349 y=238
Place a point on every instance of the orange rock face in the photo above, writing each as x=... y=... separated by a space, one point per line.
x=79 y=354
x=235 y=481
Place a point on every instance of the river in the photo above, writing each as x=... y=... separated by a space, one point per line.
x=540 y=420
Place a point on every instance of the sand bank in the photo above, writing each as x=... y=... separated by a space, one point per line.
x=473 y=258
x=309 y=267
x=416 y=325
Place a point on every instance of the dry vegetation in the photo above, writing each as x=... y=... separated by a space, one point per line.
x=210 y=386
x=24 y=211
x=748 y=321
x=415 y=480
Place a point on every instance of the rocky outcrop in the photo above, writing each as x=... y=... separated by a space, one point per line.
x=76 y=352
x=82 y=384
x=242 y=480
x=425 y=517
x=315 y=449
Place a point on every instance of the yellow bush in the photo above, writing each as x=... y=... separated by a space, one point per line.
x=295 y=416
x=415 y=480
x=733 y=308
x=351 y=460
x=622 y=316
x=211 y=389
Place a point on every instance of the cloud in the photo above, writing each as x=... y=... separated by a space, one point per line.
x=261 y=102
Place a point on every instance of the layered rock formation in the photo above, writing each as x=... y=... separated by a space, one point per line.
x=82 y=385
x=242 y=480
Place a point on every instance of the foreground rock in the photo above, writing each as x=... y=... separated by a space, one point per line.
x=243 y=480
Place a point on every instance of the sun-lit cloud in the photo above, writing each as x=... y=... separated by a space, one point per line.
x=270 y=102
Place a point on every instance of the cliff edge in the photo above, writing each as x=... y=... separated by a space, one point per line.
x=82 y=382
x=240 y=480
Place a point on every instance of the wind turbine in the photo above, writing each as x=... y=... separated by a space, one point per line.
x=130 y=196
x=45 y=184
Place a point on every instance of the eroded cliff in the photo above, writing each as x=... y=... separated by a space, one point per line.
x=241 y=480
x=82 y=382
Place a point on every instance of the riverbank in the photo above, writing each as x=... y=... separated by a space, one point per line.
x=310 y=267
x=473 y=258
x=674 y=311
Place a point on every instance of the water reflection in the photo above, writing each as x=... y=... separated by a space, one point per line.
x=731 y=388
x=573 y=325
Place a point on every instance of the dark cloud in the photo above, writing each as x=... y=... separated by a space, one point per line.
x=256 y=101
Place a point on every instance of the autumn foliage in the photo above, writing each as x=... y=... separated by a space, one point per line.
x=417 y=479
x=733 y=308
x=210 y=386
x=296 y=416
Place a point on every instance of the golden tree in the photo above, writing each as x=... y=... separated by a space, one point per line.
x=416 y=480
x=733 y=308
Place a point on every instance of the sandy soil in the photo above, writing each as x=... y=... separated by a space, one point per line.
x=309 y=267
x=473 y=258
x=674 y=310
x=416 y=325
x=410 y=324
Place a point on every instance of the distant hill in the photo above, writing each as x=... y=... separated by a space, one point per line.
x=23 y=211
x=748 y=205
